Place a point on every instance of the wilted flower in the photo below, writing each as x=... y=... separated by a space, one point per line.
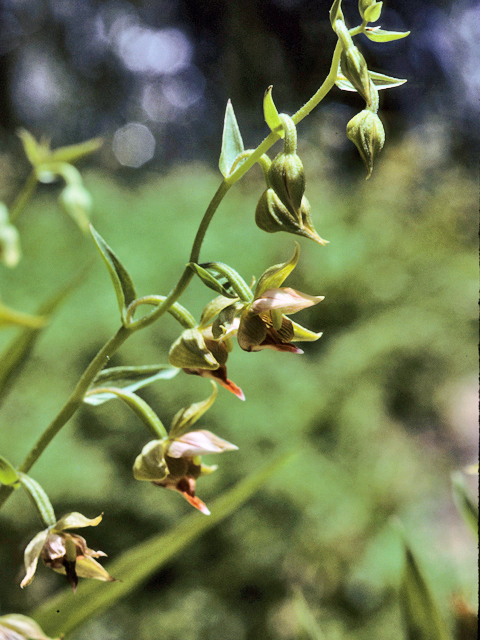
x=262 y=323
x=17 y=627
x=174 y=462
x=65 y=553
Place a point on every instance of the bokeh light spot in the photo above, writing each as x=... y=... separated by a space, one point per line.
x=133 y=145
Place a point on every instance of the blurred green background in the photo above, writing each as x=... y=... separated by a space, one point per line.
x=381 y=409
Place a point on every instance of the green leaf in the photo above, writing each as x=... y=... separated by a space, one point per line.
x=8 y=475
x=36 y=152
x=271 y=114
x=379 y=80
x=379 y=35
x=232 y=143
x=238 y=284
x=210 y=281
x=136 y=565
x=372 y=13
x=421 y=617
x=129 y=379
x=39 y=498
x=139 y=407
x=465 y=503
x=17 y=353
x=122 y=282
x=74 y=152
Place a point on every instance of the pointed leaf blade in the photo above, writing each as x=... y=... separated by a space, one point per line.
x=16 y=354
x=421 y=616
x=232 y=143
x=210 y=281
x=75 y=152
x=122 y=282
x=465 y=504
x=379 y=35
x=271 y=114
x=130 y=379
x=137 y=564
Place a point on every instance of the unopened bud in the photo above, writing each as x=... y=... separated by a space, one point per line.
x=78 y=204
x=366 y=131
x=286 y=177
x=354 y=68
x=272 y=216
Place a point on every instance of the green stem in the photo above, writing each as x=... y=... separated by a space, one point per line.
x=71 y=405
x=23 y=197
x=180 y=314
x=297 y=117
x=188 y=274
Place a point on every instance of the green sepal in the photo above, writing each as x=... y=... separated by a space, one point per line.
x=186 y=417
x=122 y=282
x=273 y=277
x=271 y=114
x=465 y=504
x=224 y=321
x=232 y=143
x=150 y=465
x=22 y=627
x=237 y=283
x=74 y=152
x=211 y=311
x=8 y=475
x=189 y=351
x=380 y=81
x=336 y=12
x=129 y=379
x=39 y=498
x=140 y=408
x=301 y=334
x=372 y=13
x=379 y=35
x=210 y=281
x=419 y=610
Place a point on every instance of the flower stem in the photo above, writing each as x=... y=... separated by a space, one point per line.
x=23 y=197
x=71 y=405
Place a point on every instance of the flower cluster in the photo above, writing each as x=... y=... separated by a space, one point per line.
x=260 y=323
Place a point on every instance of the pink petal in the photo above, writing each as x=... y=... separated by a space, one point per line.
x=196 y=443
x=285 y=300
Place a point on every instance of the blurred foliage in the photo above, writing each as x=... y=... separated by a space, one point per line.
x=382 y=408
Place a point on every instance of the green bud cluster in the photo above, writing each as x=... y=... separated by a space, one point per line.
x=283 y=206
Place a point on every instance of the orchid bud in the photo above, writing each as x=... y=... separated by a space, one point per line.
x=286 y=177
x=77 y=203
x=272 y=216
x=366 y=131
x=354 y=68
